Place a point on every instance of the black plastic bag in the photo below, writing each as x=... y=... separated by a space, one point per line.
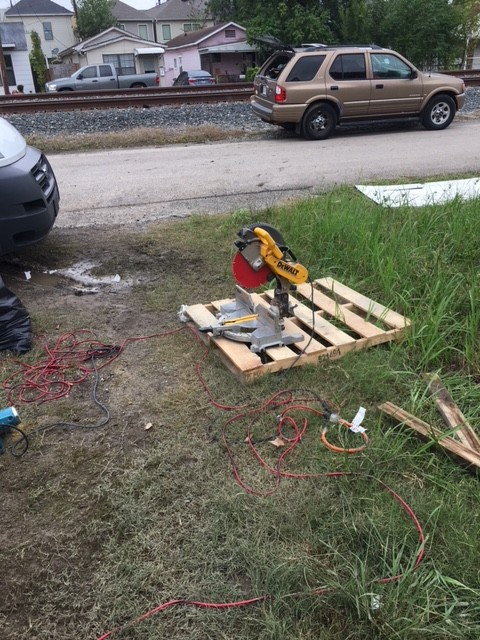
x=15 y=323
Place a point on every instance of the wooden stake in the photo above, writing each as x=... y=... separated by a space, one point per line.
x=452 y=414
x=426 y=430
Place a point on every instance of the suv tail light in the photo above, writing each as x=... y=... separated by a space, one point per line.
x=280 y=94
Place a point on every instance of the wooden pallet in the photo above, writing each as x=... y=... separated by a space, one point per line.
x=342 y=320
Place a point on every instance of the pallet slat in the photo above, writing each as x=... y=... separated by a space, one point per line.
x=323 y=328
x=323 y=337
x=344 y=315
x=389 y=317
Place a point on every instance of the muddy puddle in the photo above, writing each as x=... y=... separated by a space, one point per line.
x=79 y=276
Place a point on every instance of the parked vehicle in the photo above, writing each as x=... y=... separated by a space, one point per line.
x=194 y=78
x=29 y=196
x=98 y=77
x=315 y=88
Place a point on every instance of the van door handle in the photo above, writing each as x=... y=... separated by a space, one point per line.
x=334 y=87
x=379 y=86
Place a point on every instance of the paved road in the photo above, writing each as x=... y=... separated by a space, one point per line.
x=142 y=185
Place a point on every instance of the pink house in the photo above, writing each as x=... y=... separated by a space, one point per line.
x=222 y=50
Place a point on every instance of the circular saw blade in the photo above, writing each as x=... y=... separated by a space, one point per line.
x=248 y=277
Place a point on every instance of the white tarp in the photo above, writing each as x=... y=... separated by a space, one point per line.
x=419 y=195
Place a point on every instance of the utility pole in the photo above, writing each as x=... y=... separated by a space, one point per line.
x=3 y=68
x=75 y=10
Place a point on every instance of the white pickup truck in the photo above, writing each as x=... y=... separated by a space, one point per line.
x=98 y=77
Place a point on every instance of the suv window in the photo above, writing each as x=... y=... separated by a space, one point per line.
x=384 y=65
x=305 y=69
x=349 y=66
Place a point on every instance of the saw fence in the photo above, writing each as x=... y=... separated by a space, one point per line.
x=332 y=318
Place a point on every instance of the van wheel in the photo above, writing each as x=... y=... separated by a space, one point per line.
x=439 y=112
x=319 y=122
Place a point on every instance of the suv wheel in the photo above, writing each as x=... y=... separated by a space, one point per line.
x=439 y=112
x=319 y=121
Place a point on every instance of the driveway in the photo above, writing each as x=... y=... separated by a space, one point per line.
x=148 y=184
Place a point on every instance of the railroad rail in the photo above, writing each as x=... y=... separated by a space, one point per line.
x=152 y=97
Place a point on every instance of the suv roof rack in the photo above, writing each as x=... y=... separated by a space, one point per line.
x=313 y=46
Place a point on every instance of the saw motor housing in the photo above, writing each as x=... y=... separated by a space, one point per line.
x=263 y=248
x=262 y=256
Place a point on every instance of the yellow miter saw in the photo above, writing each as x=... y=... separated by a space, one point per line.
x=262 y=256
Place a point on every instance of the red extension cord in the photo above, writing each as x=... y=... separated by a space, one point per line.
x=70 y=361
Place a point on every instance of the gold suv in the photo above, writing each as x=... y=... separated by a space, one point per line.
x=317 y=87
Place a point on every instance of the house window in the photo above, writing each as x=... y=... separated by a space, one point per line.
x=230 y=33
x=120 y=25
x=166 y=32
x=124 y=63
x=10 y=72
x=191 y=26
x=47 y=30
x=143 y=31
x=216 y=57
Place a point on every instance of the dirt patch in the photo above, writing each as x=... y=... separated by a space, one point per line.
x=100 y=282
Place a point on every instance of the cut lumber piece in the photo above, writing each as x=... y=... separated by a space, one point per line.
x=452 y=414
x=423 y=428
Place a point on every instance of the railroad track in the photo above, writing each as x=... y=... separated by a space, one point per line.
x=153 y=97
x=142 y=98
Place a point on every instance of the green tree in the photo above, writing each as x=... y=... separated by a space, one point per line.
x=93 y=16
x=427 y=33
x=468 y=12
x=291 y=21
x=37 y=62
x=354 y=27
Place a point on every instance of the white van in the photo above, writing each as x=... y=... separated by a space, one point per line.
x=29 y=195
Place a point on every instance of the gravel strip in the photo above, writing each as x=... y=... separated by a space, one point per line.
x=229 y=116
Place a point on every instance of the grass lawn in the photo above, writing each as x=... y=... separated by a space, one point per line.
x=170 y=518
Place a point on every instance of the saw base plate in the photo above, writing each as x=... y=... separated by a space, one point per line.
x=266 y=330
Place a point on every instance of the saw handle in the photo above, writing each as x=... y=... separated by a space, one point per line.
x=269 y=246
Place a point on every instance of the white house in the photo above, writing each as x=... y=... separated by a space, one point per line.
x=15 y=52
x=52 y=22
x=221 y=49
x=127 y=52
x=133 y=21
x=176 y=17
